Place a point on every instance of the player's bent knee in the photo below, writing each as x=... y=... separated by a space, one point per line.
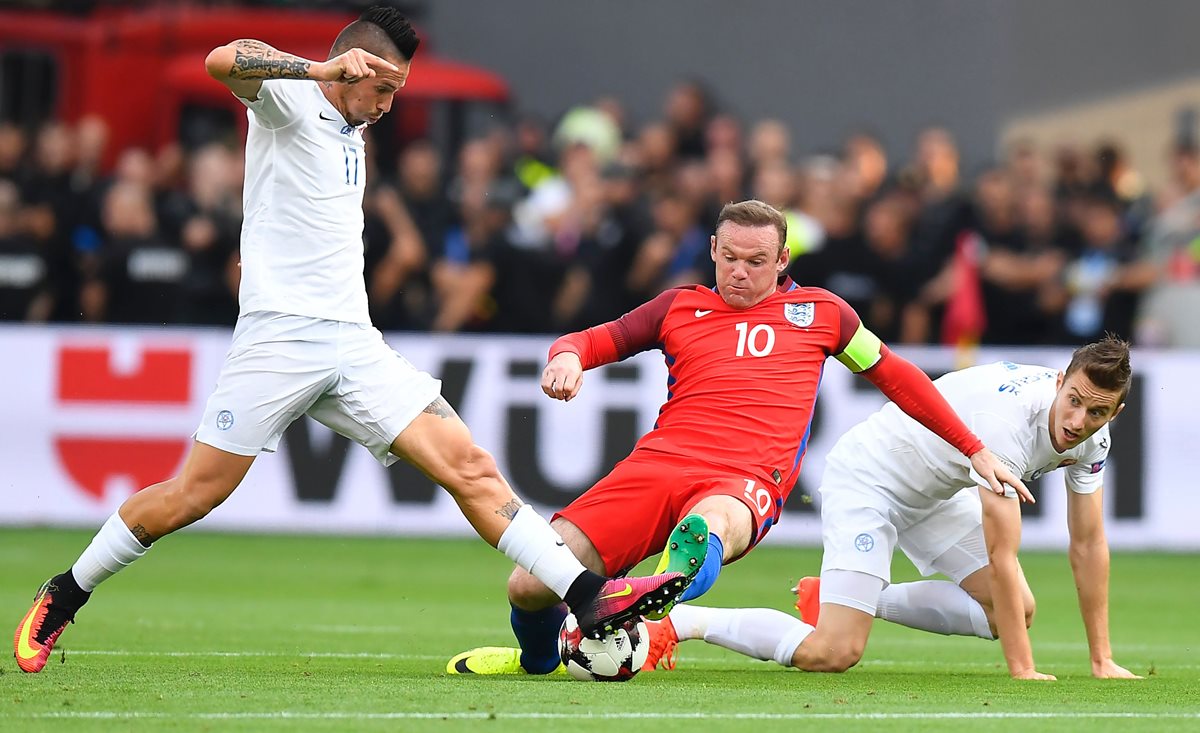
x=527 y=592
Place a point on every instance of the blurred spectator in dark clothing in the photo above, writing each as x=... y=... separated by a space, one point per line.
x=205 y=217
x=420 y=182
x=865 y=167
x=945 y=210
x=26 y=289
x=727 y=173
x=1024 y=165
x=673 y=254
x=770 y=143
x=139 y=275
x=724 y=133
x=873 y=271
x=395 y=257
x=1102 y=285
x=607 y=256
x=523 y=281
x=655 y=150
x=1116 y=177
x=1011 y=277
x=58 y=214
x=687 y=111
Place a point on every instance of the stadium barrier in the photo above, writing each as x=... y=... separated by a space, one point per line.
x=91 y=414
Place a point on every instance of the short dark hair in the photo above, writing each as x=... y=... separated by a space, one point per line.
x=379 y=30
x=755 y=213
x=1105 y=363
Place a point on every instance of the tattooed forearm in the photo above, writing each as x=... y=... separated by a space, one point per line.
x=439 y=407
x=509 y=510
x=139 y=532
x=257 y=60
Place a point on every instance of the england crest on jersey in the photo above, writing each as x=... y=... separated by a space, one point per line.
x=800 y=314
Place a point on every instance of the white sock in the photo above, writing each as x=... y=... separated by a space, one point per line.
x=113 y=547
x=533 y=544
x=762 y=633
x=939 y=606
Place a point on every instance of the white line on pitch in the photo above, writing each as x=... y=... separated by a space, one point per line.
x=705 y=662
x=305 y=715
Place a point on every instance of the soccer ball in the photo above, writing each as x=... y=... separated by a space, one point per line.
x=615 y=658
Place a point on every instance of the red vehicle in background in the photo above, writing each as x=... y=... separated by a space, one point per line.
x=142 y=71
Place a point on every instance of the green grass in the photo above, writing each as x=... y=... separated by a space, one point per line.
x=240 y=633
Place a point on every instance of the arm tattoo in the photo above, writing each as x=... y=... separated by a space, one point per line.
x=509 y=510
x=440 y=407
x=257 y=60
x=141 y=535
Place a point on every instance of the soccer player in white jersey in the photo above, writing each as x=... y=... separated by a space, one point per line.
x=890 y=482
x=304 y=343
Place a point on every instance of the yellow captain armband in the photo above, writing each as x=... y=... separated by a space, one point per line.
x=863 y=351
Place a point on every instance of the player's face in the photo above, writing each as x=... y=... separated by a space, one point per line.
x=1080 y=408
x=371 y=98
x=748 y=261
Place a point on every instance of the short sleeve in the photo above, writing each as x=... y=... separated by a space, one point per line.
x=280 y=102
x=1088 y=474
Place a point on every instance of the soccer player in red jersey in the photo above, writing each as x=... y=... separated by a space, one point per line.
x=744 y=362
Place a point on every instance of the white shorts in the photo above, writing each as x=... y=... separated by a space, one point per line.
x=343 y=375
x=862 y=523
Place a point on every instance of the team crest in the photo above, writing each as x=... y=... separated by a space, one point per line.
x=800 y=314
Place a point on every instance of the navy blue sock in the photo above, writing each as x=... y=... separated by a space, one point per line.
x=708 y=571
x=537 y=635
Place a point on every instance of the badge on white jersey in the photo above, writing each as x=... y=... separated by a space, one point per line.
x=800 y=314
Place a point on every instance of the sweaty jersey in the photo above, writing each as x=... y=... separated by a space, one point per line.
x=742 y=383
x=1007 y=405
x=302 y=246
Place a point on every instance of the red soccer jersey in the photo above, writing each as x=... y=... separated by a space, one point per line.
x=742 y=383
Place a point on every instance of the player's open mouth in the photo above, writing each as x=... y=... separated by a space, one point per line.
x=1071 y=437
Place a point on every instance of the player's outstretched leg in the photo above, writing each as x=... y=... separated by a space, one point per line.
x=53 y=608
x=693 y=552
x=808 y=599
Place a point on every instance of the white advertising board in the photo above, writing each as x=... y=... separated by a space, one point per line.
x=92 y=414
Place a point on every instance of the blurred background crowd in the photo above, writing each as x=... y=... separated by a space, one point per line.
x=539 y=225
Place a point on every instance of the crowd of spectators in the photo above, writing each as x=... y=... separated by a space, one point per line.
x=544 y=228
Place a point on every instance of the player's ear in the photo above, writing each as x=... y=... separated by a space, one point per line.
x=1117 y=412
x=784 y=255
x=1058 y=382
x=712 y=247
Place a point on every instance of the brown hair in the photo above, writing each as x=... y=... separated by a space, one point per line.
x=1105 y=363
x=755 y=213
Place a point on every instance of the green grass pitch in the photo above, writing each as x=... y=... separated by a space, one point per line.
x=280 y=633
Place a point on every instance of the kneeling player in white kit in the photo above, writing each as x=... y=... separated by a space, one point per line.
x=890 y=482
x=304 y=343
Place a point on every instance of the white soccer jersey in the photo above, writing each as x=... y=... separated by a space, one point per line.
x=1007 y=405
x=302 y=246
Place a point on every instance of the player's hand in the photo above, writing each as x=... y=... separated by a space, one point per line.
x=352 y=66
x=993 y=470
x=1107 y=669
x=563 y=376
x=1033 y=674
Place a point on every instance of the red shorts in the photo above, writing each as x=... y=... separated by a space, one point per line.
x=629 y=513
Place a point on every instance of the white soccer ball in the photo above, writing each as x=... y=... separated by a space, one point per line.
x=615 y=658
